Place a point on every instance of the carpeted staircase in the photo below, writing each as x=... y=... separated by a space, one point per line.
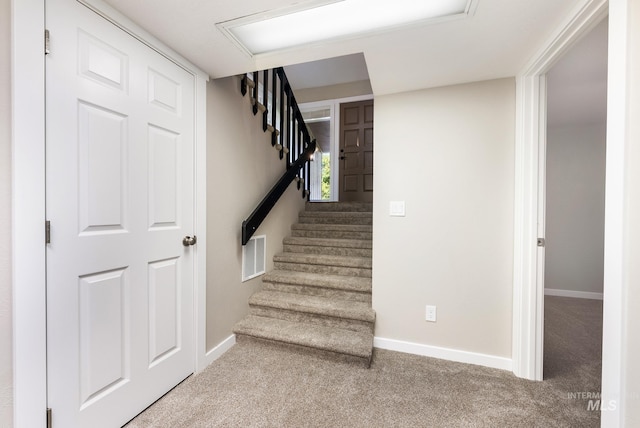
x=318 y=297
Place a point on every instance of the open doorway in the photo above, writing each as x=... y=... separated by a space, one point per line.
x=320 y=121
x=324 y=120
x=574 y=217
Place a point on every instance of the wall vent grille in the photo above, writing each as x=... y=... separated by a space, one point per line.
x=254 y=257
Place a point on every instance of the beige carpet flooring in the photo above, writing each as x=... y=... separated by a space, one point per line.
x=259 y=385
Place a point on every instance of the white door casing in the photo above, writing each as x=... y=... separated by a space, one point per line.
x=330 y=106
x=528 y=286
x=120 y=198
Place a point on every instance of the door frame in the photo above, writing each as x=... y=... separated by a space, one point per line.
x=530 y=153
x=28 y=201
x=330 y=105
x=530 y=106
x=334 y=105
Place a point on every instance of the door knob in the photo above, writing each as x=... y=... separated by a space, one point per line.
x=189 y=240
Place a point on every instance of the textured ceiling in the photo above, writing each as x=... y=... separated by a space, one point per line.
x=495 y=42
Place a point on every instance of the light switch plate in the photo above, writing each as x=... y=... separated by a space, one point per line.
x=431 y=313
x=396 y=209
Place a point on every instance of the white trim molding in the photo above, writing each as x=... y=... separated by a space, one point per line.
x=617 y=254
x=528 y=322
x=443 y=353
x=572 y=293
x=200 y=274
x=28 y=216
x=219 y=350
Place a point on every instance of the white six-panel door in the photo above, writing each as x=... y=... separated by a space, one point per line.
x=120 y=198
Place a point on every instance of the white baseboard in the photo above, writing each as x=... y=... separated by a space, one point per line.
x=443 y=353
x=220 y=349
x=571 y=293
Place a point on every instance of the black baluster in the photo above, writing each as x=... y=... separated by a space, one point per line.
x=282 y=83
x=255 y=92
x=274 y=106
x=287 y=141
x=243 y=85
x=265 y=99
x=307 y=180
x=296 y=132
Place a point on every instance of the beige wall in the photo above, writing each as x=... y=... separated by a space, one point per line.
x=448 y=153
x=241 y=167
x=574 y=259
x=6 y=370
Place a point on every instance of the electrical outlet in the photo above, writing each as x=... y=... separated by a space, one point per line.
x=431 y=313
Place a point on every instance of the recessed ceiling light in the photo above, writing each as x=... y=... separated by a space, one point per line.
x=322 y=20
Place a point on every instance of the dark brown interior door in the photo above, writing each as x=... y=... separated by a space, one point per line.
x=356 y=151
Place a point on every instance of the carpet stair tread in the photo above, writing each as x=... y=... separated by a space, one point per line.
x=340 y=217
x=333 y=227
x=336 y=282
x=339 y=206
x=333 y=234
x=348 y=342
x=327 y=242
x=323 y=260
x=314 y=305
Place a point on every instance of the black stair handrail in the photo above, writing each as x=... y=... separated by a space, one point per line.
x=291 y=138
x=251 y=224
